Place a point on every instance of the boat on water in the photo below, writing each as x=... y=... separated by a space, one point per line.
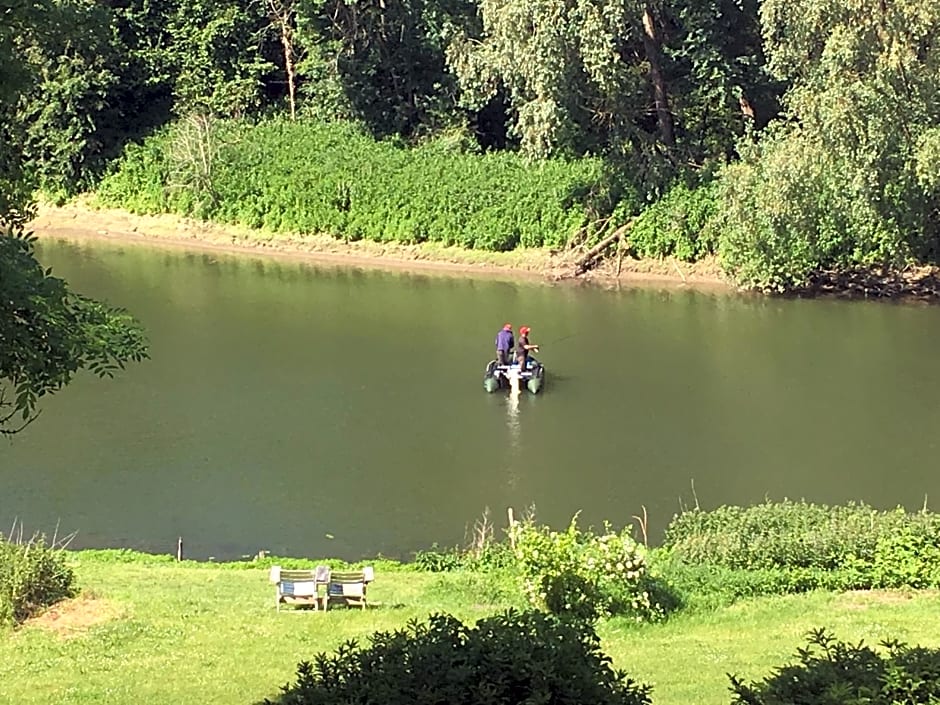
x=498 y=376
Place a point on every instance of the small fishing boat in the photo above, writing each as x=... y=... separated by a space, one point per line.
x=499 y=376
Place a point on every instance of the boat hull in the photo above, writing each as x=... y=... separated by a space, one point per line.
x=497 y=377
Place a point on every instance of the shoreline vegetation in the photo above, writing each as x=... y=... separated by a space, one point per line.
x=84 y=220
x=301 y=181
x=754 y=583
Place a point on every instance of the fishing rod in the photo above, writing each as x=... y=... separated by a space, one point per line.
x=555 y=341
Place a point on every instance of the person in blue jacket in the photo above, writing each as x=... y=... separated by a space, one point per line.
x=504 y=345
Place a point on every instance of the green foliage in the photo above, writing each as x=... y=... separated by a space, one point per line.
x=789 y=534
x=329 y=178
x=381 y=63
x=720 y=86
x=908 y=557
x=678 y=225
x=48 y=332
x=438 y=560
x=792 y=208
x=15 y=182
x=64 y=109
x=33 y=575
x=697 y=587
x=559 y=65
x=511 y=658
x=583 y=574
x=784 y=547
x=841 y=184
x=218 y=56
x=492 y=555
x=832 y=672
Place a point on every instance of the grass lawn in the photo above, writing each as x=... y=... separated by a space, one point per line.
x=161 y=632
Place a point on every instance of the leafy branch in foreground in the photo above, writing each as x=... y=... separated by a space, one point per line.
x=48 y=332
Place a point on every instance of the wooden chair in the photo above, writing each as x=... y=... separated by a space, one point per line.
x=349 y=587
x=300 y=587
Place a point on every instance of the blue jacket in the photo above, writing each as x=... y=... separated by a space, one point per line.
x=504 y=340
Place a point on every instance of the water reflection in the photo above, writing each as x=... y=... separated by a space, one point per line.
x=512 y=417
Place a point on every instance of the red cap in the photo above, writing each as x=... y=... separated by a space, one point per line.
x=508 y=326
x=524 y=329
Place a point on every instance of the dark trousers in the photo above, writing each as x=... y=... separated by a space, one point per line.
x=501 y=357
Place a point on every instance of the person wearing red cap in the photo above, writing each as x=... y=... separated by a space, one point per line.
x=504 y=345
x=523 y=347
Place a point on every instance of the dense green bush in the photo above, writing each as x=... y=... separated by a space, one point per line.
x=831 y=672
x=33 y=575
x=584 y=574
x=791 y=208
x=492 y=555
x=303 y=177
x=702 y=588
x=909 y=557
x=681 y=224
x=793 y=535
x=515 y=657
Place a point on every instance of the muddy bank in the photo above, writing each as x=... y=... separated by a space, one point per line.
x=79 y=221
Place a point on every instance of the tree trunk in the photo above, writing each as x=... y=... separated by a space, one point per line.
x=651 y=45
x=281 y=13
x=289 y=66
x=588 y=260
x=747 y=110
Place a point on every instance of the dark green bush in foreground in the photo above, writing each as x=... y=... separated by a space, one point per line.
x=830 y=672
x=515 y=657
x=33 y=575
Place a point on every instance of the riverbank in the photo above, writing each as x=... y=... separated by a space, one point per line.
x=149 y=629
x=81 y=221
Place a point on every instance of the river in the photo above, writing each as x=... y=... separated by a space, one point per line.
x=326 y=411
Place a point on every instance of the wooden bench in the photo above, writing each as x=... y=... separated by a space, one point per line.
x=348 y=587
x=301 y=587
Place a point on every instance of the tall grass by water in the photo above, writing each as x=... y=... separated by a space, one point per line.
x=33 y=575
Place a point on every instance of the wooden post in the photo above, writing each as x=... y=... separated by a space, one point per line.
x=179 y=548
x=512 y=523
x=619 y=256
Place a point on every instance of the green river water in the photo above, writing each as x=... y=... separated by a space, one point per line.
x=322 y=411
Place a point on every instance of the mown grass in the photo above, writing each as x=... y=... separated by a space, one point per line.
x=161 y=632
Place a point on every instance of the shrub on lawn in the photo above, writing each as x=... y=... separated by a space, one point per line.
x=583 y=574
x=33 y=575
x=831 y=672
x=514 y=657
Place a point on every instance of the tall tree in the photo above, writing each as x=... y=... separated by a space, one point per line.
x=721 y=86
x=221 y=58
x=282 y=14
x=383 y=61
x=570 y=70
x=652 y=45
x=845 y=180
x=68 y=48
